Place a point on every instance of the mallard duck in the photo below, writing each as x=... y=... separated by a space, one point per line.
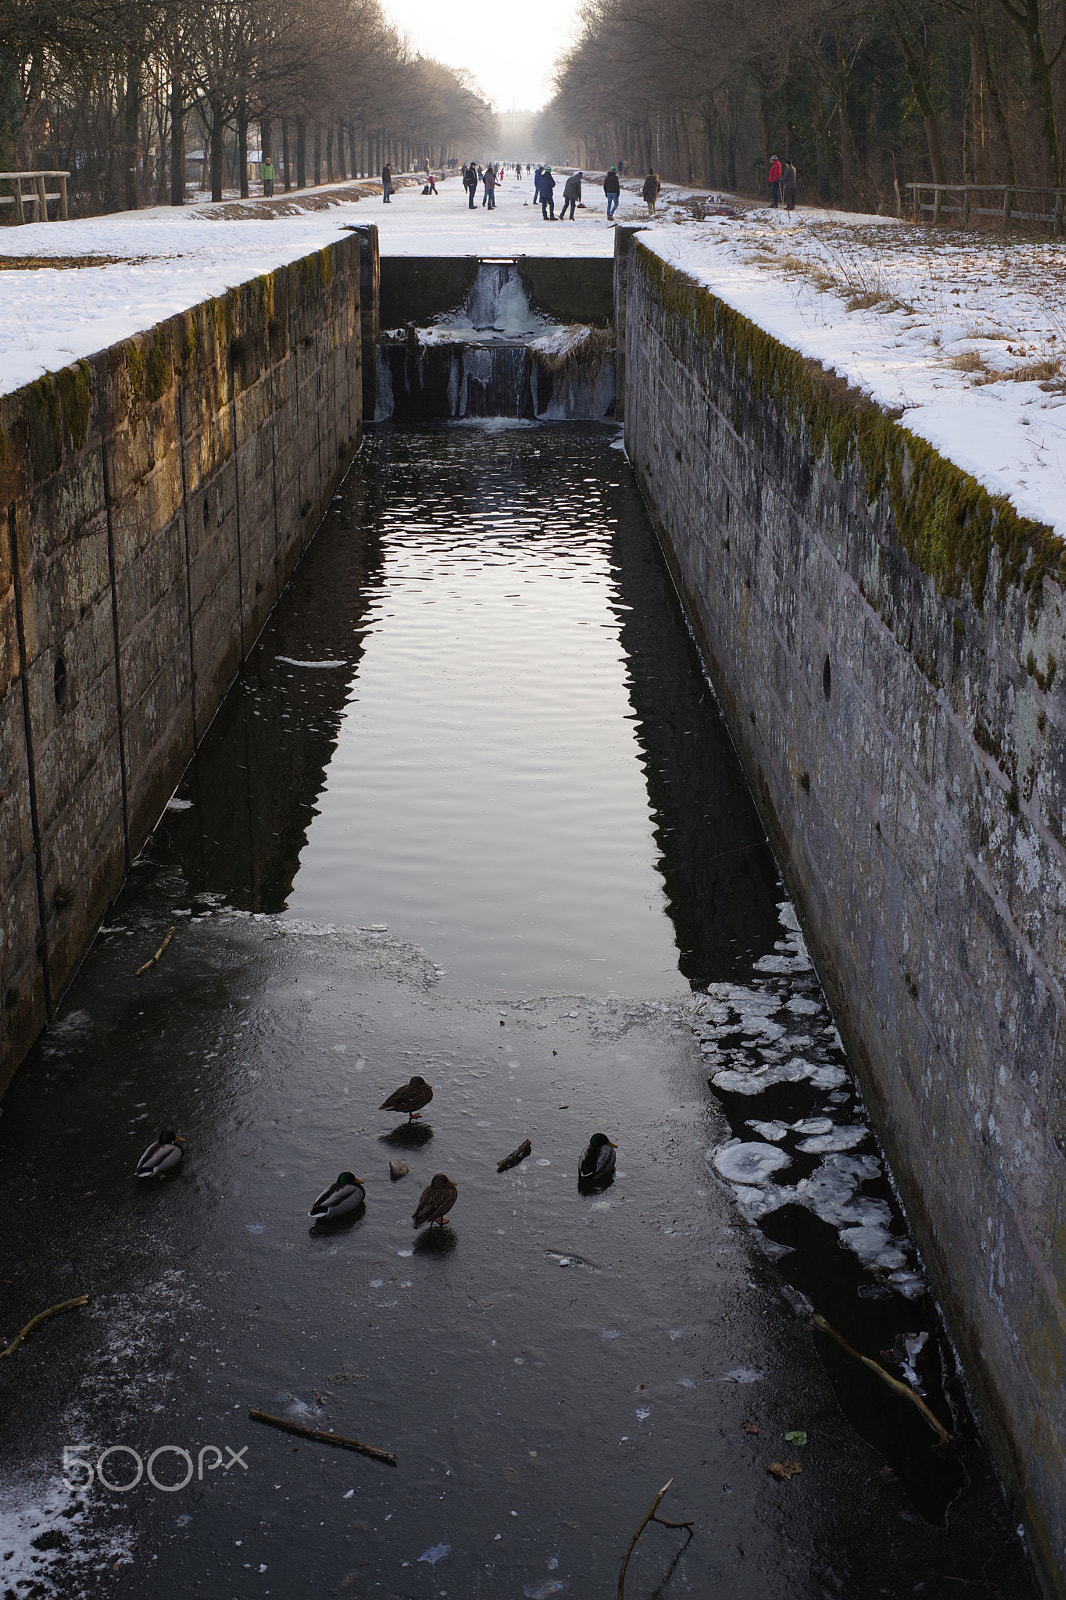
x=410 y=1097
x=161 y=1157
x=436 y=1200
x=598 y=1160
x=340 y=1198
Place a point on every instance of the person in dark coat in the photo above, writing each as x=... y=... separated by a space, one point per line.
x=470 y=182
x=571 y=195
x=611 y=189
x=536 y=186
x=650 y=190
x=773 y=178
x=386 y=182
x=788 y=186
x=547 y=195
x=488 y=178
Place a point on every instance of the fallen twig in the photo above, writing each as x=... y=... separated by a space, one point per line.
x=515 y=1157
x=322 y=1437
x=64 y=1305
x=649 y=1516
x=159 y=952
x=904 y=1389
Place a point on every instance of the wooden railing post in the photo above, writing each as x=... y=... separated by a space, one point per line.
x=938 y=195
x=42 y=197
x=916 y=193
x=1007 y=204
x=63 y=196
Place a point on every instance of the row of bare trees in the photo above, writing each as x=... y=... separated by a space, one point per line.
x=864 y=95
x=134 y=97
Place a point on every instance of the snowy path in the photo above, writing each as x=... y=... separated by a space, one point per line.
x=963 y=335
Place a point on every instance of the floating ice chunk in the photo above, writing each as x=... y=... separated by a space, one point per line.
x=540 y=1591
x=753 y=1080
x=325 y=666
x=643 y=1413
x=745 y=1375
x=812 y=1125
x=845 y=1138
x=748 y=1164
x=435 y=1553
x=774 y=1131
x=802 y=1006
x=174 y=804
x=609 y=1333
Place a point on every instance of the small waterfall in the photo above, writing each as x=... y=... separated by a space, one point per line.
x=497 y=357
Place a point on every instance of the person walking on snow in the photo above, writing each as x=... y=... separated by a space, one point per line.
x=773 y=178
x=489 y=180
x=611 y=188
x=788 y=186
x=470 y=182
x=571 y=195
x=536 y=186
x=386 y=182
x=268 y=178
x=547 y=195
x=650 y=190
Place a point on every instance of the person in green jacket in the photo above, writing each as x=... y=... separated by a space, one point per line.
x=268 y=178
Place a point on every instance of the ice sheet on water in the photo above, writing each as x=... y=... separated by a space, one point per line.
x=747 y=1163
x=842 y=1138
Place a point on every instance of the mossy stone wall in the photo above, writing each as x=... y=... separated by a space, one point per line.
x=155 y=499
x=886 y=641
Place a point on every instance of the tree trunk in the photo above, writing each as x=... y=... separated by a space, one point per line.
x=132 y=117
x=1026 y=16
x=979 y=34
x=242 y=145
x=266 y=138
x=318 y=153
x=177 y=137
x=216 y=149
x=911 y=51
x=301 y=153
x=285 y=153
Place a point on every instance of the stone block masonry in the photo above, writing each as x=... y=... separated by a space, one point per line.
x=154 y=501
x=887 y=643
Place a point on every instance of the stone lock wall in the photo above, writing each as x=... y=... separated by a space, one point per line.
x=888 y=644
x=155 y=500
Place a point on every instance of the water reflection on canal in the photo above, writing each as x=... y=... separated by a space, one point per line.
x=469 y=812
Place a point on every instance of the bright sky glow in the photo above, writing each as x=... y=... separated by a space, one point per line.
x=511 y=51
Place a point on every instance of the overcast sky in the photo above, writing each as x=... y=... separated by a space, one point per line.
x=511 y=50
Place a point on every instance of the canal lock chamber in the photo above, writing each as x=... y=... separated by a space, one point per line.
x=498 y=353
x=563 y=910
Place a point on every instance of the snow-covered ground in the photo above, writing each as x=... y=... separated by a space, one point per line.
x=962 y=333
x=965 y=335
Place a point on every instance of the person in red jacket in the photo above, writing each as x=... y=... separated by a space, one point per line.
x=774 y=180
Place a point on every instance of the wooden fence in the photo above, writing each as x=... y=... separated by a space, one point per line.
x=966 y=207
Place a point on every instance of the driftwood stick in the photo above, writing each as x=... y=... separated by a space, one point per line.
x=64 y=1305
x=904 y=1389
x=649 y=1516
x=152 y=961
x=515 y=1157
x=321 y=1437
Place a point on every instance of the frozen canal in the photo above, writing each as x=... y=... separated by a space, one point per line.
x=470 y=812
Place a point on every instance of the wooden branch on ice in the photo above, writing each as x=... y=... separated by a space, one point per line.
x=904 y=1389
x=64 y=1305
x=515 y=1157
x=152 y=961
x=321 y=1437
x=649 y=1516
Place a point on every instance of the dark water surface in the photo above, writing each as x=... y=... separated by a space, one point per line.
x=470 y=812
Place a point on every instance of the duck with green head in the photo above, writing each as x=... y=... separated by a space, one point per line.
x=161 y=1157
x=339 y=1199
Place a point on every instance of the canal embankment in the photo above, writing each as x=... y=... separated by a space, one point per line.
x=156 y=498
x=884 y=637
